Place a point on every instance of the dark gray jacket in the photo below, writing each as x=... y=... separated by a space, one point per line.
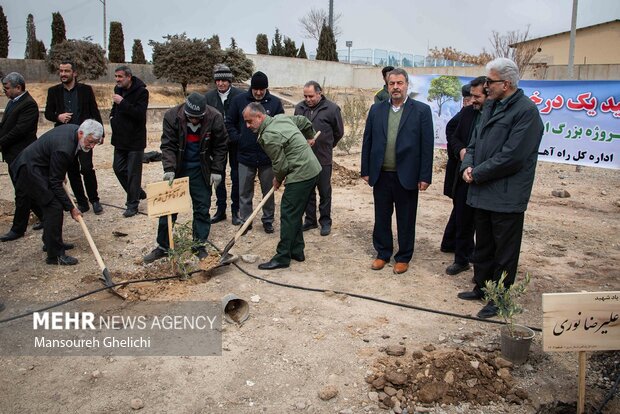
x=503 y=154
x=325 y=117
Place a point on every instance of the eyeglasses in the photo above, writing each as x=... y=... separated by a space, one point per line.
x=489 y=81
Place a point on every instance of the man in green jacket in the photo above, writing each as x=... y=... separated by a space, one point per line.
x=284 y=140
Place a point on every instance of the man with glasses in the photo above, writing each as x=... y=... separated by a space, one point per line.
x=72 y=102
x=40 y=173
x=499 y=166
x=193 y=144
x=18 y=129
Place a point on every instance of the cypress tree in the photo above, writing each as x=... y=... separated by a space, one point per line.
x=116 y=44
x=262 y=44
x=290 y=50
x=59 y=34
x=277 y=49
x=4 y=35
x=327 y=45
x=31 y=39
x=137 y=53
x=302 y=52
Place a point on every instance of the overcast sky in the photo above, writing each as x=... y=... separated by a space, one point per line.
x=407 y=26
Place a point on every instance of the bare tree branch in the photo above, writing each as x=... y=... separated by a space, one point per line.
x=312 y=23
x=511 y=45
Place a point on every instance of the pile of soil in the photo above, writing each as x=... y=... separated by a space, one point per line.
x=344 y=177
x=603 y=369
x=445 y=376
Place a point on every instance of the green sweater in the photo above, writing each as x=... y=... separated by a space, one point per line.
x=291 y=156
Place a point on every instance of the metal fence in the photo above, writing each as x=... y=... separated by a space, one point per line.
x=382 y=57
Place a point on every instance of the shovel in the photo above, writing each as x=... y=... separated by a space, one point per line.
x=226 y=257
x=106 y=278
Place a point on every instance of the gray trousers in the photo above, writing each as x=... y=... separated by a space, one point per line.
x=247 y=175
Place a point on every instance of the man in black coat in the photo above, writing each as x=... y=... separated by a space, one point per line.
x=40 y=172
x=499 y=166
x=252 y=159
x=325 y=117
x=193 y=144
x=128 y=122
x=18 y=129
x=462 y=215
x=449 y=234
x=220 y=98
x=71 y=102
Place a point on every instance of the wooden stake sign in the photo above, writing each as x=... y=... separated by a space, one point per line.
x=580 y=322
x=163 y=199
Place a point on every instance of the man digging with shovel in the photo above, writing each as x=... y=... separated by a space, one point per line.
x=282 y=139
x=193 y=144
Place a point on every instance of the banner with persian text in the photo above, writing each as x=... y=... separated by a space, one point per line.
x=581 y=118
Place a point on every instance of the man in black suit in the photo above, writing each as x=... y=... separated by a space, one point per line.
x=463 y=215
x=397 y=161
x=18 y=129
x=449 y=234
x=40 y=172
x=71 y=102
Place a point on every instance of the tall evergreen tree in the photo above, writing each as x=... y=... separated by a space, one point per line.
x=41 y=50
x=32 y=46
x=302 y=52
x=262 y=44
x=290 y=50
x=59 y=34
x=277 y=49
x=4 y=35
x=137 y=53
x=327 y=45
x=116 y=44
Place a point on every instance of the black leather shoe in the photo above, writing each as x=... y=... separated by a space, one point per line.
x=309 y=226
x=219 y=215
x=37 y=226
x=446 y=249
x=299 y=258
x=268 y=227
x=470 y=295
x=247 y=230
x=63 y=260
x=325 y=230
x=155 y=254
x=83 y=207
x=142 y=195
x=488 y=311
x=236 y=221
x=130 y=212
x=455 y=268
x=10 y=236
x=97 y=208
x=66 y=246
x=272 y=264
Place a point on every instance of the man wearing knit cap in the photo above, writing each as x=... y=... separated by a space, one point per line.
x=193 y=144
x=220 y=99
x=252 y=159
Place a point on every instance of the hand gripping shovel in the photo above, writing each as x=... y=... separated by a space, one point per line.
x=106 y=278
x=226 y=257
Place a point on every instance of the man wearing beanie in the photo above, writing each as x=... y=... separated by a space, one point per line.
x=193 y=144
x=220 y=99
x=252 y=159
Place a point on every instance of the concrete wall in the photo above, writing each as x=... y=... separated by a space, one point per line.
x=286 y=72
x=36 y=71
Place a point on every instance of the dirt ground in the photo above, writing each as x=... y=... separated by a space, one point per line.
x=298 y=346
